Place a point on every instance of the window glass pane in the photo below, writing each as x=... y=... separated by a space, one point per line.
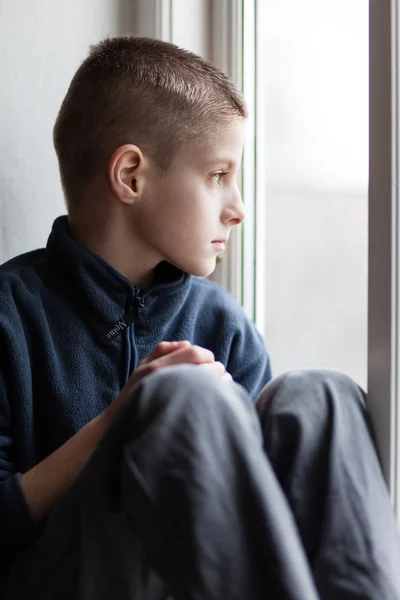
x=312 y=61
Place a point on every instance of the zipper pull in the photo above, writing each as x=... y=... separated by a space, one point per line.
x=140 y=302
x=129 y=317
x=137 y=307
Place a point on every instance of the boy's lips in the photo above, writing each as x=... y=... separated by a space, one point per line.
x=219 y=245
x=222 y=240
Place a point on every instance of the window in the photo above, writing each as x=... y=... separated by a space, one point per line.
x=312 y=198
x=327 y=253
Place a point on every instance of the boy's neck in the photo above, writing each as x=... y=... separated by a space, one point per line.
x=110 y=241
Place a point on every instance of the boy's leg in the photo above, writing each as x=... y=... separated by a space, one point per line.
x=317 y=436
x=180 y=482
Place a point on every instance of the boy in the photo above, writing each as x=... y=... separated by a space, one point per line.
x=131 y=466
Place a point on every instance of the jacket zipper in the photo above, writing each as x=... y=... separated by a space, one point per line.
x=134 y=313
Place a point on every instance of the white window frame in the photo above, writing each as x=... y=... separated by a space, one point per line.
x=227 y=43
x=234 y=35
x=153 y=18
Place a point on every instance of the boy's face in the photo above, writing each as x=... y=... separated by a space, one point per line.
x=181 y=216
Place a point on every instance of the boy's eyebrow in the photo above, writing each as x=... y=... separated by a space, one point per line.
x=221 y=159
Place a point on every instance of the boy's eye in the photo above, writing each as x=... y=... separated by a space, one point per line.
x=218 y=177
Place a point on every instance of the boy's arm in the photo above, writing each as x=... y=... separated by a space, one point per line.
x=27 y=499
x=44 y=484
x=249 y=362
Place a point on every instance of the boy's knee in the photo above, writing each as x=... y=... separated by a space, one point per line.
x=316 y=390
x=186 y=380
x=168 y=394
x=188 y=392
x=188 y=402
x=188 y=384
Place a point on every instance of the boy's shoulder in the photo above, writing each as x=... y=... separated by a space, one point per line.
x=210 y=289
x=209 y=296
x=21 y=273
x=23 y=265
x=23 y=261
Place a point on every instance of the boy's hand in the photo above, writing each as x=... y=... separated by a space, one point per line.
x=167 y=354
x=177 y=353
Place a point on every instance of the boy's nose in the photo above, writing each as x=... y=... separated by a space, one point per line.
x=234 y=214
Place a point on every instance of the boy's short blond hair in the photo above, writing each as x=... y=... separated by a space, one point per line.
x=141 y=91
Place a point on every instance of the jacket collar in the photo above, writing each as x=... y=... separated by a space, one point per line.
x=104 y=294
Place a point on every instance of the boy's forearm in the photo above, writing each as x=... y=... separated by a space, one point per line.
x=44 y=484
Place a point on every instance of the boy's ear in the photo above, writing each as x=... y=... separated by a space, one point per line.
x=125 y=172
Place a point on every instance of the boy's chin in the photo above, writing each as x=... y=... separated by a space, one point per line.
x=201 y=269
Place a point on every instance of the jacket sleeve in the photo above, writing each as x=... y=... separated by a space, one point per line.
x=17 y=525
x=249 y=362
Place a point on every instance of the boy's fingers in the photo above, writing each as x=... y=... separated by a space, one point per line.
x=165 y=348
x=218 y=369
x=187 y=355
x=227 y=376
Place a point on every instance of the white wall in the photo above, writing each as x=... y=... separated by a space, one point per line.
x=42 y=44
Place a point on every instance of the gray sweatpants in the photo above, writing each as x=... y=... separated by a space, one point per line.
x=195 y=494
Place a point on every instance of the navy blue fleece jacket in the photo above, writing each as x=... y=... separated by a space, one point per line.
x=72 y=330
